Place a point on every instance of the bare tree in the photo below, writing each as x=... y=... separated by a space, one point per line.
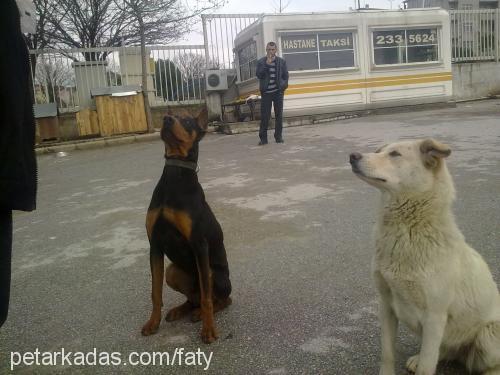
x=159 y=20
x=44 y=10
x=87 y=24
x=114 y=23
x=281 y=5
x=53 y=78
x=193 y=65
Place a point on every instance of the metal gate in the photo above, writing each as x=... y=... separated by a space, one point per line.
x=219 y=32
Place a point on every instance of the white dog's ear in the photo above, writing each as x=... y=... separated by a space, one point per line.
x=433 y=151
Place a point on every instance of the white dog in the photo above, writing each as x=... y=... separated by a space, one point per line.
x=426 y=275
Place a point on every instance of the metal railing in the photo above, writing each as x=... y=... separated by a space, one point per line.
x=66 y=77
x=176 y=74
x=219 y=32
x=475 y=35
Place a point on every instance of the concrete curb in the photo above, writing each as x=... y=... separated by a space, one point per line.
x=253 y=126
x=88 y=144
x=232 y=128
x=95 y=143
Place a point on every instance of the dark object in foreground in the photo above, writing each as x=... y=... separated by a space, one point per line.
x=18 y=171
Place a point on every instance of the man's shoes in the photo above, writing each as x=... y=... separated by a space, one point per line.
x=262 y=143
x=280 y=140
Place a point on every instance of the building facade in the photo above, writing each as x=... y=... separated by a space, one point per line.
x=342 y=61
x=453 y=4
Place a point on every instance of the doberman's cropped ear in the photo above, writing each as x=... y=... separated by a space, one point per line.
x=202 y=118
x=433 y=151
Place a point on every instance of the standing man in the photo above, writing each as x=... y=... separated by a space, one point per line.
x=273 y=81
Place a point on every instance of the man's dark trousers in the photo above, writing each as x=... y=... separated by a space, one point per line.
x=275 y=99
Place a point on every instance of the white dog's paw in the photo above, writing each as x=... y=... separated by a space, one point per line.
x=412 y=363
x=387 y=371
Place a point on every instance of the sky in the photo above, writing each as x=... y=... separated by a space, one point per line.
x=272 y=6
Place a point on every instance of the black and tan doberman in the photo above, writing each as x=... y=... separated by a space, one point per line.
x=181 y=225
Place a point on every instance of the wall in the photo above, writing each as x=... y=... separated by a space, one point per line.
x=476 y=80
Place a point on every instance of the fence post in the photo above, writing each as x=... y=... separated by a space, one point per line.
x=497 y=35
x=205 y=39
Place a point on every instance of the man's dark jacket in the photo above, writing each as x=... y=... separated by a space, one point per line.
x=262 y=73
x=18 y=171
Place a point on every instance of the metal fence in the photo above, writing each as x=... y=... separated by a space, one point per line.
x=475 y=35
x=66 y=77
x=176 y=74
x=219 y=32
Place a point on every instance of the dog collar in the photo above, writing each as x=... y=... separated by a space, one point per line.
x=182 y=163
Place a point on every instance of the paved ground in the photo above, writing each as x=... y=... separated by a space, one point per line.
x=297 y=225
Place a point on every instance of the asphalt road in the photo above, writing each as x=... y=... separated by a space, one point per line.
x=297 y=227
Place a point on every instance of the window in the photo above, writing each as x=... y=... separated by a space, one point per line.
x=488 y=5
x=318 y=50
x=466 y=6
x=247 y=59
x=405 y=46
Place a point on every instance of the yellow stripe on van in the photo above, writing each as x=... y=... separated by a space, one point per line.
x=409 y=81
x=308 y=88
x=347 y=81
x=330 y=87
x=350 y=84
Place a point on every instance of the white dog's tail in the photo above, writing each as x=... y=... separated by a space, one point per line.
x=485 y=352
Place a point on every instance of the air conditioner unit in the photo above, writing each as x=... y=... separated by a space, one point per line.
x=216 y=80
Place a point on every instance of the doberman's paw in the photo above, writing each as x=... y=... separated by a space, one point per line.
x=175 y=314
x=209 y=334
x=179 y=312
x=218 y=306
x=196 y=315
x=150 y=328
